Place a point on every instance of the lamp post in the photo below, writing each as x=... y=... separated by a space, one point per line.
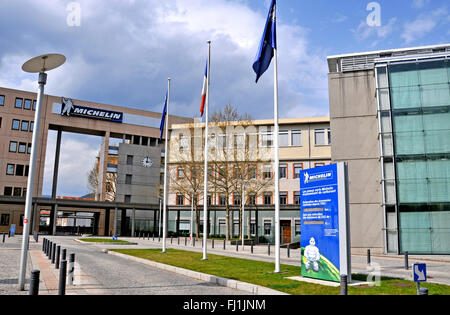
x=40 y=65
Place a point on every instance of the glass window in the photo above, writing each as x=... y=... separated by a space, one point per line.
x=7 y=191
x=25 y=125
x=236 y=199
x=267 y=139
x=319 y=164
x=128 y=179
x=297 y=169
x=18 y=103
x=267 y=227
x=10 y=169
x=284 y=138
x=29 y=148
x=27 y=169
x=4 y=220
x=32 y=126
x=298 y=227
x=129 y=160
x=180 y=200
x=2 y=100
x=127 y=199
x=34 y=105
x=267 y=171
x=283 y=198
x=252 y=199
x=17 y=192
x=223 y=200
x=13 y=146
x=252 y=172
x=180 y=173
x=283 y=171
x=15 y=124
x=27 y=105
x=20 y=170
x=296 y=138
x=329 y=135
x=268 y=198
x=22 y=147
x=297 y=197
x=319 y=135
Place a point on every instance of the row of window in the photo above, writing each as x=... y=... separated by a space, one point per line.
x=252 y=170
x=251 y=199
x=5 y=218
x=15 y=192
x=22 y=125
x=17 y=170
x=20 y=103
x=19 y=147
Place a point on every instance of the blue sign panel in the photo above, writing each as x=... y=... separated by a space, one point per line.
x=115 y=238
x=321 y=240
x=420 y=272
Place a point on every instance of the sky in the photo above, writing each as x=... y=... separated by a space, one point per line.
x=121 y=52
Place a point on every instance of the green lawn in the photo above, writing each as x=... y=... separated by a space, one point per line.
x=261 y=273
x=102 y=240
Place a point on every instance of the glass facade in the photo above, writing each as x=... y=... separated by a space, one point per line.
x=414 y=103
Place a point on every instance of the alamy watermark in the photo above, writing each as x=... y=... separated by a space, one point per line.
x=374 y=18
x=74 y=14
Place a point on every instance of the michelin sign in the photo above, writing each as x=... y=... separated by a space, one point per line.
x=325 y=245
x=68 y=108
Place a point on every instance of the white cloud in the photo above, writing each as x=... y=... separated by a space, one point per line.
x=364 y=31
x=423 y=24
x=418 y=4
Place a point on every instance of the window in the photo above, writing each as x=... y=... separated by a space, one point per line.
x=297 y=228
x=4 y=221
x=283 y=198
x=319 y=164
x=283 y=171
x=24 y=192
x=15 y=124
x=180 y=173
x=267 y=198
x=7 y=191
x=252 y=171
x=283 y=139
x=253 y=228
x=10 y=169
x=27 y=105
x=180 y=200
x=252 y=199
x=2 y=100
x=267 y=227
x=223 y=200
x=209 y=200
x=25 y=125
x=22 y=147
x=129 y=160
x=128 y=179
x=20 y=170
x=267 y=171
x=17 y=192
x=29 y=148
x=236 y=199
x=34 y=105
x=32 y=126
x=13 y=146
x=297 y=169
x=18 y=103
x=297 y=197
x=296 y=138
x=27 y=169
x=267 y=139
x=319 y=136
x=127 y=199
x=329 y=135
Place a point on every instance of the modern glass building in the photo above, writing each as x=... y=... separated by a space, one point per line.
x=404 y=96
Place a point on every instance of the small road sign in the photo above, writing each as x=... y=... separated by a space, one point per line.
x=115 y=238
x=420 y=272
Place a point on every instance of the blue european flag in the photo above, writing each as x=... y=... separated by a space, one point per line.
x=268 y=44
x=163 y=119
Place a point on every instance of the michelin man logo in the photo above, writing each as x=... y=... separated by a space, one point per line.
x=306 y=178
x=312 y=256
x=67 y=106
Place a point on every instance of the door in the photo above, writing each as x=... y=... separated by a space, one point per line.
x=286 y=231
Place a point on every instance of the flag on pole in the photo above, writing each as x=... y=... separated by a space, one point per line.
x=205 y=87
x=268 y=44
x=163 y=119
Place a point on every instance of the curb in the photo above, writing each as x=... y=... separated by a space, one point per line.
x=107 y=244
x=233 y=284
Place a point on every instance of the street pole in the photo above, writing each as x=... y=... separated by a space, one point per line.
x=39 y=65
x=165 y=169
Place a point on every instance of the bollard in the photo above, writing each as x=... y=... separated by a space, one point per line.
x=159 y=239
x=193 y=239
x=62 y=278
x=43 y=244
x=153 y=239
x=268 y=249
x=148 y=236
x=423 y=291
x=50 y=251
x=58 y=252
x=368 y=257
x=237 y=246
x=63 y=255
x=224 y=245
x=4 y=236
x=171 y=239
x=71 y=269
x=251 y=246
x=344 y=285
x=406 y=261
x=185 y=241
x=34 y=283
x=178 y=240
x=212 y=245
x=289 y=251
x=53 y=253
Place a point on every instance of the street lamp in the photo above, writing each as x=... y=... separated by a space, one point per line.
x=40 y=65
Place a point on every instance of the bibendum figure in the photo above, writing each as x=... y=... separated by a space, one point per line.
x=312 y=256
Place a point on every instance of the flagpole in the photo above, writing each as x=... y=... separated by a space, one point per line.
x=277 y=160
x=205 y=192
x=166 y=158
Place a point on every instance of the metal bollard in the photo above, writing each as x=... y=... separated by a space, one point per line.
x=422 y=291
x=50 y=251
x=153 y=239
x=212 y=243
x=251 y=246
x=289 y=251
x=63 y=255
x=171 y=239
x=159 y=239
x=71 y=269
x=185 y=241
x=4 y=236
x=224 y=245
x=62 y=278
x=193 y=239
x=368 y=257
x=53 y=253
x=34 y=283
x=58 y=252
x=178 y=240
x=43 y=244
x=406 y=261
x=148 y=236
x=344 y=285
x=268 y=249
x=237 y=246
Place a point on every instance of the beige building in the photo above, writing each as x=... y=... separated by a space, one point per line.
x=241 y=155
x=130 y=138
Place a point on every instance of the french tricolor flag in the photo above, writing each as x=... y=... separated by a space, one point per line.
x=205 y=89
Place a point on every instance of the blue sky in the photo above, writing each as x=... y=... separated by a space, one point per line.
x=123 y=51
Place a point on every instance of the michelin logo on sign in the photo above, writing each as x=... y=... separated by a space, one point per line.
x=317 y=177
x=69 y=109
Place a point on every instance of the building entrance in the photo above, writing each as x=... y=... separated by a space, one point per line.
x=69 y=222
